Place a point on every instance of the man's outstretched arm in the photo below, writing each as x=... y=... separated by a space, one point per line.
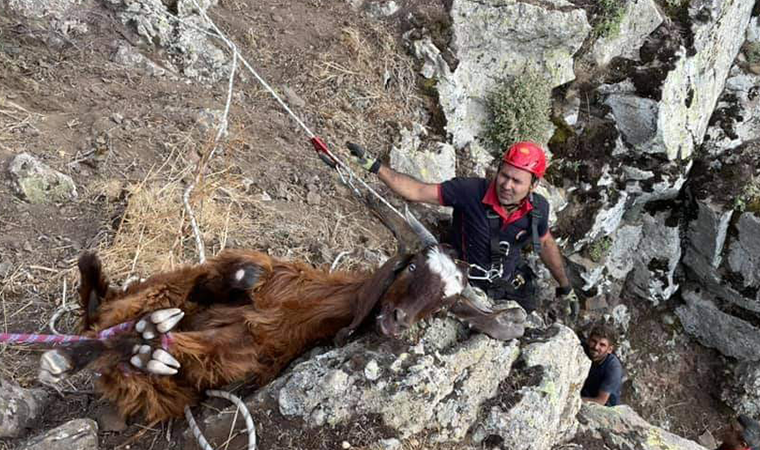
x=404 y=185
x=408 y=187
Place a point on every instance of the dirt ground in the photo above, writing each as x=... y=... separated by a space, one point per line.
x=132 y=143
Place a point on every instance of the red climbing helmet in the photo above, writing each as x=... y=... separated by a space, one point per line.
x=526 y=156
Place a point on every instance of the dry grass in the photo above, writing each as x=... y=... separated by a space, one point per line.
x=155 y=233
x=375 y=84
x=14 y=118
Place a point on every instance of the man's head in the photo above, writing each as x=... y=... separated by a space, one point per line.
x=519 y=171
x=601 y=342
x=750 y=431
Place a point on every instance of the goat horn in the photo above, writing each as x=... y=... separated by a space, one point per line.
x=423 y=233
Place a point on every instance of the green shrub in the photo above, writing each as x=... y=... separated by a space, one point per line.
x=599 y=248
x=520 y=111
x=609 y=16
x=752 y=52
x=749 y=198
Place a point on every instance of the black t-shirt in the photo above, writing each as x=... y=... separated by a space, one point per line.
x=607 y=377
x=470 y=233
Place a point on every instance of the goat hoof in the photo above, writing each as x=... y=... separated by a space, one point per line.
x=158 y=361
x=54 y=366
x=245 y=276
x=160 y=321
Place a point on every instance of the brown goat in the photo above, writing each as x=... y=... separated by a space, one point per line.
x=241 y=315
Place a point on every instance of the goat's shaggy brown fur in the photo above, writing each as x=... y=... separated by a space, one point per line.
x=232 y=332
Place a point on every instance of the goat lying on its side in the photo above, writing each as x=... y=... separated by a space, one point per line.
x=242 y=314
x=245 y=315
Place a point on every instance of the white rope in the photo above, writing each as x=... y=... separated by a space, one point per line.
x=201 y=251
x=337 y=260
x=64 y=308
x=249 y=425
x=340 y=164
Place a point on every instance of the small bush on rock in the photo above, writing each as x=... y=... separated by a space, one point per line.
x=752 y=52
x=520 y=111
x=609 y=16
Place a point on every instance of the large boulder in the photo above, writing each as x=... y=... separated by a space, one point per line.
x=657 y=256
x=671 y=119
x=447 y=386
x=640 y=18
x=716 y=329
x=19 y=408
x=743 y=394
x=620 y=428
x=744 y=256
x=411 y=155
x=435 y=386
x=78 y=434
x=736 y=118
x=543 y=415
x=494 y=39
x=181 y=35
x=38 y=183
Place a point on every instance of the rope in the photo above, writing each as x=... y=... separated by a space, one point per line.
x=249 y=425
x=63 y=339
x=199 y=240
x=347 y=176
x=342 y=167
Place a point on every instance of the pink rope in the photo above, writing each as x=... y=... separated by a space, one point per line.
x=63 y=339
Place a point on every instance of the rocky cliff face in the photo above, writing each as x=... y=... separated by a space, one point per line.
x=654 y=183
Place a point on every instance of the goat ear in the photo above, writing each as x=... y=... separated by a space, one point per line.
x=93 y=286
x=371 y=292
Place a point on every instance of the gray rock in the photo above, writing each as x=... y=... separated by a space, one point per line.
x=636 y=119
x=38 y=9
x=656 y=259
x=292 y=98
x=713 y=328
x=620 y=428
x=753 y=30
x=38 y=183
x=78 y=434
x=607 y=218
x=19 y=408
x=641 y=17
x=434 y=66
x=738 y=113
x=676 y=124
x=744 y=251
x=423 y=389
x=389 y=444
x=474 y=160
x=197 y=57
x=743 y=394
x=432 y=165
x=705 y=238
x=5 y=268
x=129 y=57
x=382 y=8
x=493 y=39
x=544 y=415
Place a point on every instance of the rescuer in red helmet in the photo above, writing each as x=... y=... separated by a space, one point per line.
x=492 y=222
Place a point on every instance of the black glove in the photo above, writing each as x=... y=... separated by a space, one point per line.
x=364 y=159
x=572 y=306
